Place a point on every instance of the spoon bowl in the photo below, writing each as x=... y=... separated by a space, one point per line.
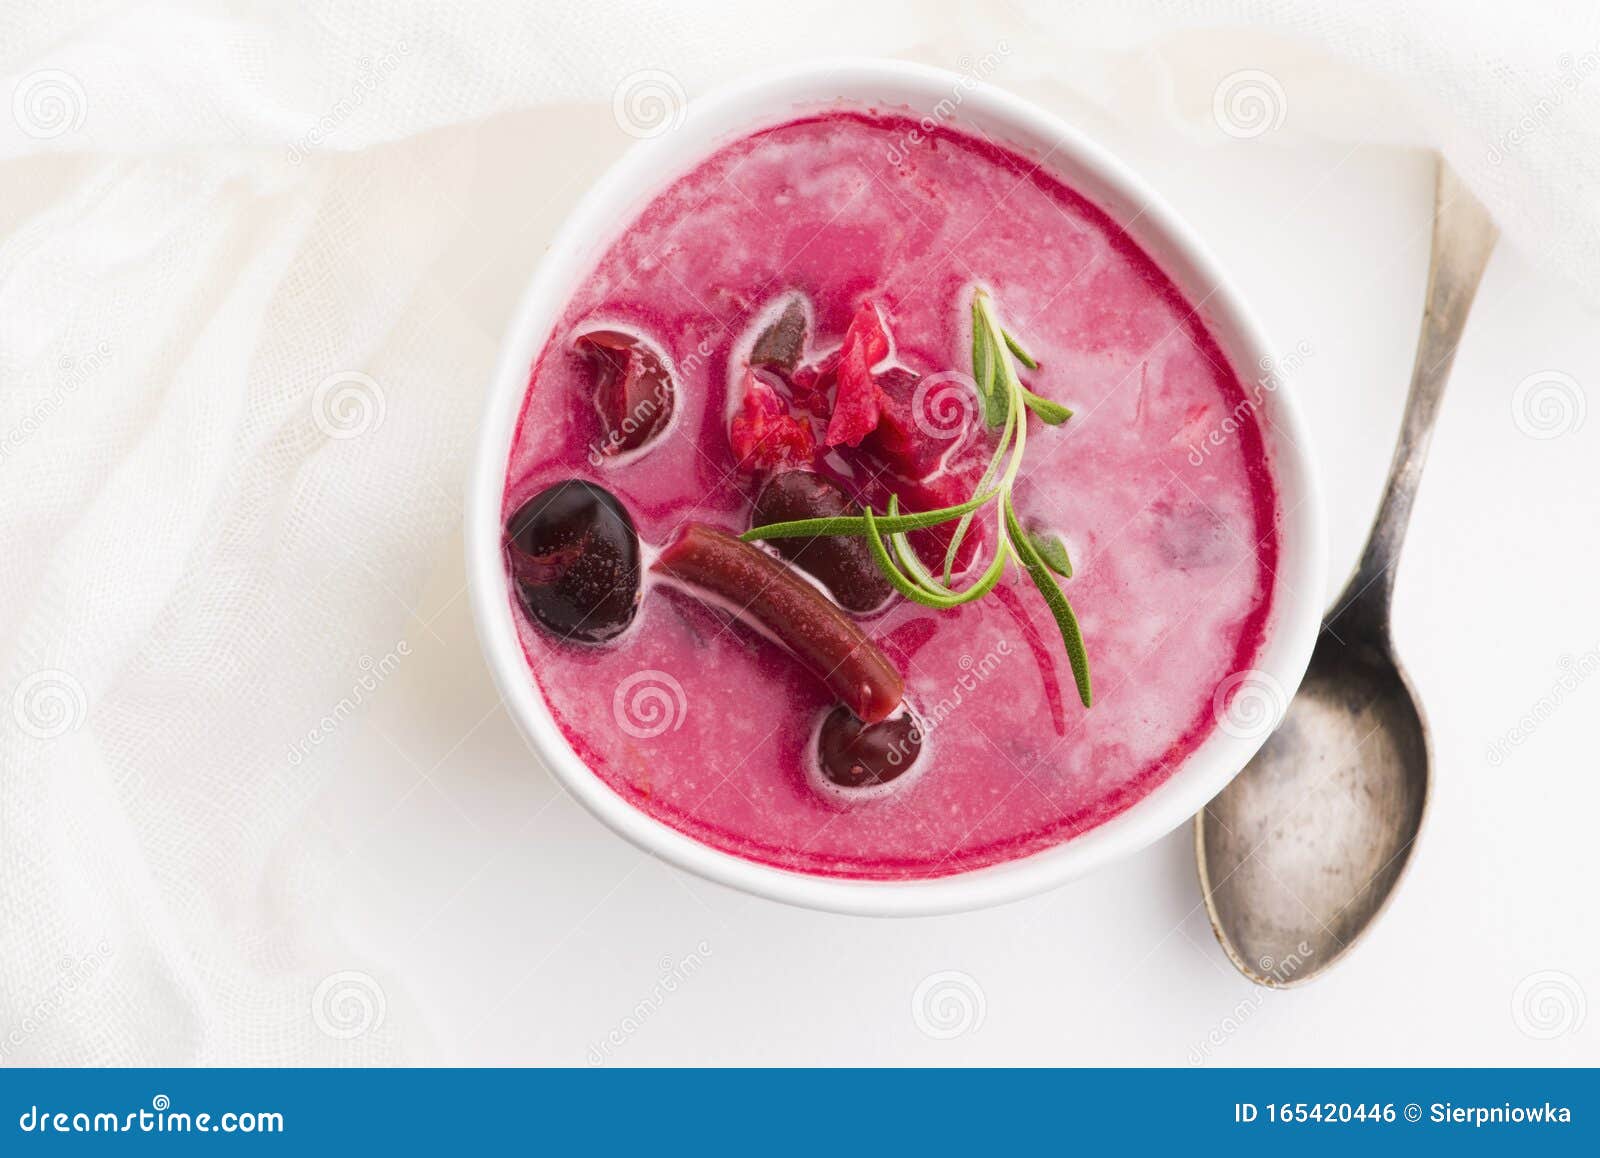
x=1301 y=851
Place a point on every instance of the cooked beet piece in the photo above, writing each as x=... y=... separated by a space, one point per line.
x=855 y=401
x=812 y=385
x=757 y=586
x=634 y=394
x=764 y=433
x=782 y=343
x=856 y=755
x=842 y=563
x=913 y=433
x=573 y=554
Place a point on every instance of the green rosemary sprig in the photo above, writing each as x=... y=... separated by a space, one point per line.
x=1005 y=402
x=1053 y=551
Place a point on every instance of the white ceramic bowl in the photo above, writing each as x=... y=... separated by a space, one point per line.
x=613 y=202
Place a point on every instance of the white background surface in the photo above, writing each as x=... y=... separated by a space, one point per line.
x=504 y=925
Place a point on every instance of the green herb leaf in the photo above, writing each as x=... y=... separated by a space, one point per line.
x=1053 y=551
x=1051 y=413
x=897 y=578
x=989 y=473
x=857 y=525
x=1000 y=403
x=1071 y=634
x=919 y=575
x=982 y=364
x=987 y=372
x=1023 y=356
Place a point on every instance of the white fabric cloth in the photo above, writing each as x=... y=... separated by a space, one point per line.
x=235 y=404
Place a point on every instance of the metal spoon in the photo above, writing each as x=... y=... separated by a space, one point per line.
x=1301 y=851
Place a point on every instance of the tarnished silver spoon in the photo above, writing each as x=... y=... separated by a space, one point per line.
x=1301 y=851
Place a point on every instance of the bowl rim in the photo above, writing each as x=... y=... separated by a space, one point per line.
x=649 y=165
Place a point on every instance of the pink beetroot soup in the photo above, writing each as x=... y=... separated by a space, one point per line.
x=709 y=727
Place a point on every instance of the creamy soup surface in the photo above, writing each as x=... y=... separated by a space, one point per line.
x=709 y=726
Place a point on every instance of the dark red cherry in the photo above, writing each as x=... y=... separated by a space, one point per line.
x=783 y=342
x=857 y=755
x=573 y=554
x=634 y=393
x=842 y=563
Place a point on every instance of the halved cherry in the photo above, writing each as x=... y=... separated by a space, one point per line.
x=842 y=563
x=782 y=344
x=776 y=599
x=856 y=755
x=573 y=554
x=634 y=393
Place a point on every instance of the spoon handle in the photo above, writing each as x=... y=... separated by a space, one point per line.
x=1463 y=237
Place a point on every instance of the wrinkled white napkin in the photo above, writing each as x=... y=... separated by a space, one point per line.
x=234 y=406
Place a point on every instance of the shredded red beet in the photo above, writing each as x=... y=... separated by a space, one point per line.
x=855 y=403
x=765 y=435
x=811 y=385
